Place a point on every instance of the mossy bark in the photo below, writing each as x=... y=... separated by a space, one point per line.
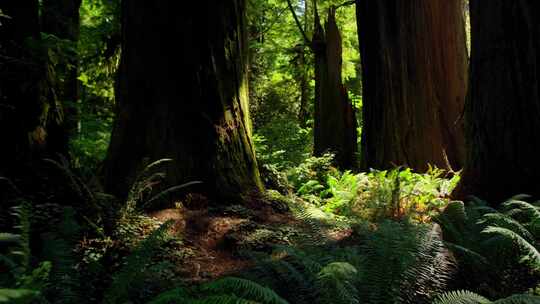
x=182 y=93
x=414 y=64
x=503 y=107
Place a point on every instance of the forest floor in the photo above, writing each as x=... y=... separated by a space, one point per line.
x=216 y=239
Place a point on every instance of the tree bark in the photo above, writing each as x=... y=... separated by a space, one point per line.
x=303 y=81
x=503 y=106
x=414 y=64
x=61 y=18
x=27 y=104
x=182 y=94
x=335 y=121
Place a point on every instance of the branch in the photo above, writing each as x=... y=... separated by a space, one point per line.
x=306 y=39
x=347 y=3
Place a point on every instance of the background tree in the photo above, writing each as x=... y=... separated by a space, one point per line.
x=61 y=19
x=414 y=63
x=29 y=112
x=185 y=99
x=503 y=108
x=334 y=118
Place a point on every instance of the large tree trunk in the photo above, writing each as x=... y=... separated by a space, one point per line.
x=335 y=121
x=27 y=105
x=61 y=18
x=182 y=94
x=414 y=63
x=503 y=108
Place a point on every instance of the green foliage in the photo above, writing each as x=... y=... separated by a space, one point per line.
x=99 y=56
x=342 y=190
x=19 y=283
x=128 y=280
x=226 y=290
x=404 y=263
x=17 y=296
x=58 y=248
x=374 y=196
x=467 y=297
x=312 y=169
x=397 y=263
x=497 y=251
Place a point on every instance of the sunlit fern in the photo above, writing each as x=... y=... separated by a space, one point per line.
x=468 y=297
x=227 y=290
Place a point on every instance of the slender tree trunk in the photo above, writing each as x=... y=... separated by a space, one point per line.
x=503 y=106
x=61 y=18
x=303 y=112
x=182 y=94
x=335 y=121
x=27 y=104
x=414 y=64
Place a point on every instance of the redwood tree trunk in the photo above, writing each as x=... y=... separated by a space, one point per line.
x=335 y=121
x=61 y=18
x=414 y=64
x=182 y=94
x=27 y=105
x=503 y=108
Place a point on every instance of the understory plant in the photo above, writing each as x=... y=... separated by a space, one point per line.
x=497 y=250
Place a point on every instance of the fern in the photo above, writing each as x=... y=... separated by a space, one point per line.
x=243 y=288
x=461 y=297
x=517 y=241
x=491 y=246
x=227 y=290
x=468 y=297
x=18 y=296
x=177 y=295
x=129 y=275
x=337 y=283
x=404 y=264
x=58 y=248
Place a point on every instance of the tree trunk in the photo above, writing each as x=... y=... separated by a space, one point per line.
x=503 y=106
x=303 y=113
x=335 y=121
x=302 y=78
x=182 y=94
x=61 y=18
x=27 y=105
x=414 y=64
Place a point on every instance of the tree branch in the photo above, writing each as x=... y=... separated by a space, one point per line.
x=347 y=3
x=306 y=39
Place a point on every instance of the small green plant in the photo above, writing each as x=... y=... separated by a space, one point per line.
x=19 y=283
x=467 y=297
x=497 y=250
x=227 y=290
x=128 y=280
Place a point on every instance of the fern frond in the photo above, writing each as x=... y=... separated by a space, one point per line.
x=461 y=297
x=503 y=221
x=18 y=296
x=529 y=210
x=245 y=289
x=519 y=299
x=529 y=250
x=168 y=191
x=468 y=297
x=135 y=264
x=337 y=283
x=177 y=295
